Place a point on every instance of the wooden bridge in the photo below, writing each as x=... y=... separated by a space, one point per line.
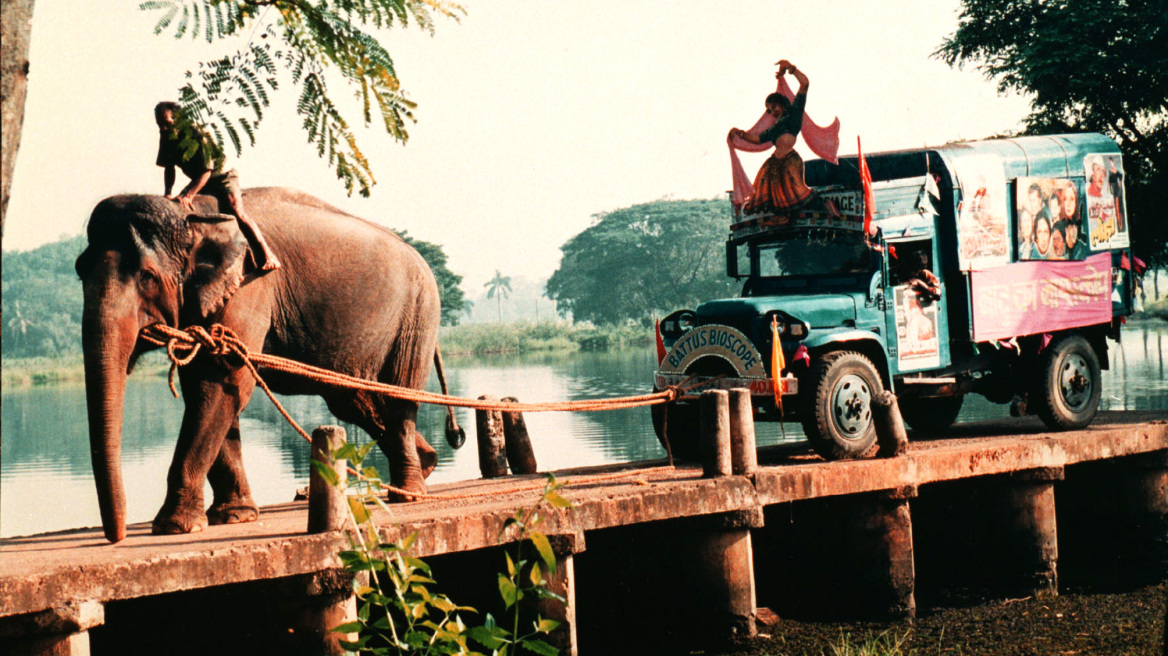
x=679 y=550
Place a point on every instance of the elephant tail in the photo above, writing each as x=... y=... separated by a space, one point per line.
x=455 y=436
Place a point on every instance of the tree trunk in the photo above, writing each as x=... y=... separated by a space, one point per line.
x=15 y=28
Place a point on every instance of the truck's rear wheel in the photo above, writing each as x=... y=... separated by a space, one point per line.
x=1069 y=384
x=930 y=416
x=839 y=417
x=683 y=427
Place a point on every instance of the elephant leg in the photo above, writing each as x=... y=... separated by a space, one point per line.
x=214 y=398
x=401 y=444
x=232 y=503
x=427 y=455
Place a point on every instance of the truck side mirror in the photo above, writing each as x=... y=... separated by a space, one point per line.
x=732 y=260
x=876 y=289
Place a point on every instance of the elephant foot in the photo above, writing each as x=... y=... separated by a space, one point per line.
x=179 y=523
x=394 y=496
x=232 y=512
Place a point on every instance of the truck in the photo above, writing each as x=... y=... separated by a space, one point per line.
x=1028 y=244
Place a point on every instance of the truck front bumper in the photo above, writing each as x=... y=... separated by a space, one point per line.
x=758 y=386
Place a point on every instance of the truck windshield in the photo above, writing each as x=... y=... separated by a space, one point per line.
x=814 y=253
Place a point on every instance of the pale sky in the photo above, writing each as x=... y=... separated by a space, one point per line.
x=533 y=116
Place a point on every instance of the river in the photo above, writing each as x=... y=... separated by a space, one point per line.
x=46 y=480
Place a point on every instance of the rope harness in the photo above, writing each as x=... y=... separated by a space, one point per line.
x=183 y=345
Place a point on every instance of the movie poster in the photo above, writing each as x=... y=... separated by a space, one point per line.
x=982 y=235
x=917 y=344
x=1106 y=211
x=1049 y=220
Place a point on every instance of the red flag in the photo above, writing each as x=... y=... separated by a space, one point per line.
x=660 y=343
x=869 y=199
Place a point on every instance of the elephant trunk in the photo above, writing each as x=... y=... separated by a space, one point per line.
x=108 y=342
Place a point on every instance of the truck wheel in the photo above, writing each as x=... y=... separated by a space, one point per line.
x=930 y=416
x=1069 y=384
x=684 y=429
x=839 y=420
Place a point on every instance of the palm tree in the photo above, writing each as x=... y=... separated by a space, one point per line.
x=499 y=288
x=19 y=324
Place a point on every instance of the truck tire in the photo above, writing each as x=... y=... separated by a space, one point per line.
x=930 y=416
x=684 y=437
x=1069 y=384
x=838 y=421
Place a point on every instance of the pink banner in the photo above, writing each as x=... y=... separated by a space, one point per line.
x=1027 y=298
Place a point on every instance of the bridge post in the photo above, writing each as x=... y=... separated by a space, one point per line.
x=743 y=450
x=327 y=507
x=60 y=631
x=489 y=432
x=881 y=527
x=1029 y=558
x=563 y=583
x=714 y=425
x=329 y=599
x=520 y=455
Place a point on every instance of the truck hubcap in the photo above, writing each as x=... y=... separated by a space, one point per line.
x=1075 y=382
x=852 y=406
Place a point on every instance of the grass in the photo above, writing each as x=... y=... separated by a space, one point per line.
x=531 y=337
x=469 y=339
x=65 y=369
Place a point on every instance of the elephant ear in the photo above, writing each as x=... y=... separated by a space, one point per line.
x=216 y=264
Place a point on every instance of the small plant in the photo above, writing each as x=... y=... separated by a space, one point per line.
x=887 y=643
x=525 y=579
x=400 y=613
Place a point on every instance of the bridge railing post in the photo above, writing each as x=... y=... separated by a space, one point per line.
x=327 y=507
x=520 y=455
x=743 y=449
x=491 y=441
x=715 y=433
x=328 y=599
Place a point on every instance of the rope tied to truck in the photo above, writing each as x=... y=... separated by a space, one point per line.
x=183 y=345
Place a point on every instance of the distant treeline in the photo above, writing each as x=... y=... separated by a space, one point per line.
x=42 y=297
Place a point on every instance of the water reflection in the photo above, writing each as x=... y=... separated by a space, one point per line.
x=46 y=481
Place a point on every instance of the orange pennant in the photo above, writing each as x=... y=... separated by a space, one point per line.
x=777 y=363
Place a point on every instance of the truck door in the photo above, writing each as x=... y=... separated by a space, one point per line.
x=914 y=302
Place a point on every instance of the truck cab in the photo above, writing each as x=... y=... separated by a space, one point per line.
x=997 y=267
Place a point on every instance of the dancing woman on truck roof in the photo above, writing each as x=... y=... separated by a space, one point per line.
x=779 y=186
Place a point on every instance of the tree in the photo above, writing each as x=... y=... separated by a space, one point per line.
x=499 y=288
x=644 y=261
x=454 y=302
x=1088 y=65
x=15 y=26
x=42 y=301
x=300 y=38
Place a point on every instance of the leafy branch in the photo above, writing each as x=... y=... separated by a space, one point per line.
x=399 y=611
x=304 y=41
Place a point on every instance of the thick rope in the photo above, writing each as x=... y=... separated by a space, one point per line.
x=221 y=341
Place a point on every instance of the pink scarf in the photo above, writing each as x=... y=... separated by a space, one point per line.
x=822 y=141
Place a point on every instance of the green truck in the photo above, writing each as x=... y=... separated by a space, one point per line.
x=1028 y=245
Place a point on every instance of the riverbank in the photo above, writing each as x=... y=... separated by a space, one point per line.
x=470 y=339
x=1098 y=620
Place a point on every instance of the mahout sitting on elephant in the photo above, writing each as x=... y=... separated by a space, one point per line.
x=353 y=297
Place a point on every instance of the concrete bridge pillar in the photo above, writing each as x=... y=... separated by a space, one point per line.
x=60 y=631
x=1143 y=487
x=720 y=568
x=842 y=557
x=1028 y=544
x=691 y=579
x=563 y=583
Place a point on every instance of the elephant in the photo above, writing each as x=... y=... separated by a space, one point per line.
x=352 y=297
